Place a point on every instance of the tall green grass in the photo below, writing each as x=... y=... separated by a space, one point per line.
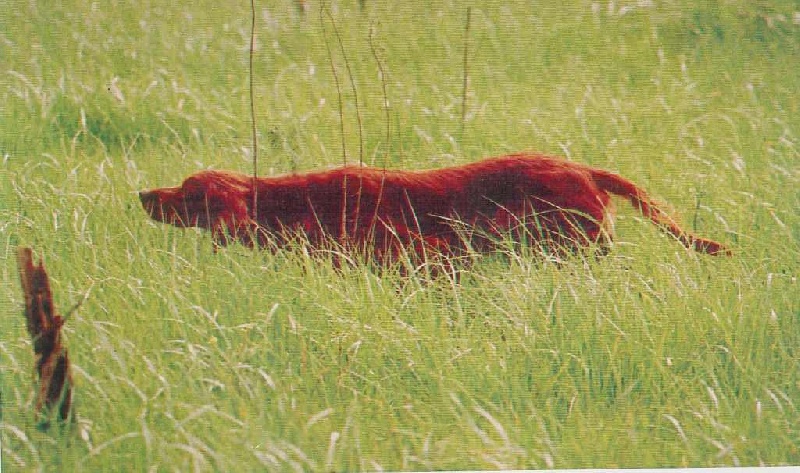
x=239 y=360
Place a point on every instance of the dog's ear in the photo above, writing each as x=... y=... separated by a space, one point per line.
x=202 y=188
x=210 y=201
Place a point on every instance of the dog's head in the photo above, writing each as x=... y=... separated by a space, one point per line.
x=213 y=200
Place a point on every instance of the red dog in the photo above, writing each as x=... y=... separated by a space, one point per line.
x=556 y=204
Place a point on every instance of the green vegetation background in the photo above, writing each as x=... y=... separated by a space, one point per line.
x=240 y=360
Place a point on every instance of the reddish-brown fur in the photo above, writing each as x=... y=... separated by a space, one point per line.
x=540 y=200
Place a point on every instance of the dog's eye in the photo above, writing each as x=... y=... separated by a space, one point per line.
x=199 y=193
x=194 y=188
x=191 y=184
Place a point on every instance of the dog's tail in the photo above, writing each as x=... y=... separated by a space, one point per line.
x=618 y=185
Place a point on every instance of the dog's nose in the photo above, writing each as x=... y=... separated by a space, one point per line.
x=150 y=202
x=146 y=196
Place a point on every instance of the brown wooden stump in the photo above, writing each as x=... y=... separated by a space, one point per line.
x=44 y=326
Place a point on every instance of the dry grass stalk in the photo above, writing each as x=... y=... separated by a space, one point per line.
x=44 y=326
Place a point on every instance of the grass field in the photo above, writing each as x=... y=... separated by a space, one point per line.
x=248 y=361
